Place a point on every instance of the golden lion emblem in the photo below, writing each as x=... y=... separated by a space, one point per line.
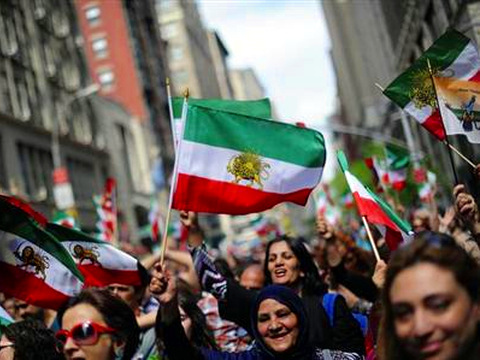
x=28 y=257
x=423 y=93
x=86 y=254
x=250 y=167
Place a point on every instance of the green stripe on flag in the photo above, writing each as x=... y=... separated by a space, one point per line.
x=342 y=160
x=15 y=221
x=301 y=146
x=398 y=158
x=63 y=233
x=441 y=54
x=260 y=108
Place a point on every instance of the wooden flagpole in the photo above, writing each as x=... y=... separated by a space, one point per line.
x=443 y=124
x=370 y=238
x=462 y=156
x=174 y=182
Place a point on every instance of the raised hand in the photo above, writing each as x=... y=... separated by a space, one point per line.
x=162 y=285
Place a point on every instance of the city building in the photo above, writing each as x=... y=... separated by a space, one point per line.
x=219 y=54
x=127 y=58
x=188 y=49
x=43 y=78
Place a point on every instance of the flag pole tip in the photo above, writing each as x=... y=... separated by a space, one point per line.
x=186 y=93
x=167 y=81
x=380 y=87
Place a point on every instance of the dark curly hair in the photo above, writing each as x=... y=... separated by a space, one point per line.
x=32 y=341
x=116 y=313
x=311 y=283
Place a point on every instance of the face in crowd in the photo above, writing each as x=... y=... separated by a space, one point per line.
x=126 y=293
x=283 y=265
x=277 y=325
x=436 y=316
x=97 y=326
x=432 y=302
x=252 y=277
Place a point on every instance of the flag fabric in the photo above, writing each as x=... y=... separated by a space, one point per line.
x=394 y=229
x=260 y=108
x=100 y=262
x=452 y=55
x=236 y=164
x=154 y=217
x=398 y=160
x=65 y=219
x=5 y=318
x=457 y=101
x=107 y=212
x=427 y=188
x=34 y=265
x=379 y=173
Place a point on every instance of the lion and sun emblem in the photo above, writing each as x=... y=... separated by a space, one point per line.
x=248 y=166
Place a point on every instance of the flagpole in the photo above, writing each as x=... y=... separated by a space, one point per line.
x=461 y=155
x=170 y=112
x=370 y=238
x=174 y=181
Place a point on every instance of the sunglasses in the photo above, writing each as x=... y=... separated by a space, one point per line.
x=86 y=333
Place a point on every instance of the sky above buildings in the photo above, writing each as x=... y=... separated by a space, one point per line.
x=286 y=42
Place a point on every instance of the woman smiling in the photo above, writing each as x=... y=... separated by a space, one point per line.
x=431 y=302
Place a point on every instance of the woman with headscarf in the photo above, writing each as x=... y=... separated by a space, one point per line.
x=278 y=319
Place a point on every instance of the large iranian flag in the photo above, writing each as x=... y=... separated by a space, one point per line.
x=235 y=164
x=35 y=267
x=394 y=229
x=260 y=108
x=100 y=262
x=451 y=55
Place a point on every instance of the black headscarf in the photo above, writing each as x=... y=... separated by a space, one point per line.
x=289 y=298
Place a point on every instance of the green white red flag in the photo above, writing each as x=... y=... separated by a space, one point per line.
x=398 y=160
x=5 y=318
x=100 y=262
x=376 y=211
x=236 y=164
x=451 y=55
x=34 y=265
x=260 y=108
x=106 y=207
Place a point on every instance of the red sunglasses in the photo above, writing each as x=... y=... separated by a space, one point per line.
x=86 y=333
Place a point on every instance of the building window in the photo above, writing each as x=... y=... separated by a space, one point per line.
x=169 y=31
x=92 y=13
x=176 y=53
x=100 y=47
x=82 y=177
x=106 y=78
x=36 y=166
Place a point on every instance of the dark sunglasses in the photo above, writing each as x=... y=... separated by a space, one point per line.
x=86 y=333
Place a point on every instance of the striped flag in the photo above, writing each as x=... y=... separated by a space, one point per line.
x=34 y=265
x=236 y=164
x=394 y=229
x=451 y=55
x=100 y=262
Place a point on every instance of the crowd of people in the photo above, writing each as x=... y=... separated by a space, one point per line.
x=321 y=298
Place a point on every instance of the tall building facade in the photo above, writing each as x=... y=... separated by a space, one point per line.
x=42 y=74
x=126 y=57
x=189 y=56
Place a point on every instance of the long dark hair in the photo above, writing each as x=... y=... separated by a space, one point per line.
x=427 y=247
x=311 y=283
x=201 y=336
x=116 y=314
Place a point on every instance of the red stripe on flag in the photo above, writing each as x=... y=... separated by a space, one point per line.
x=26 y=286
x=434 y=124
x=373 y=212
x=476 y=77
x=199 y=194
x=393 y=239
x=97 y=276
